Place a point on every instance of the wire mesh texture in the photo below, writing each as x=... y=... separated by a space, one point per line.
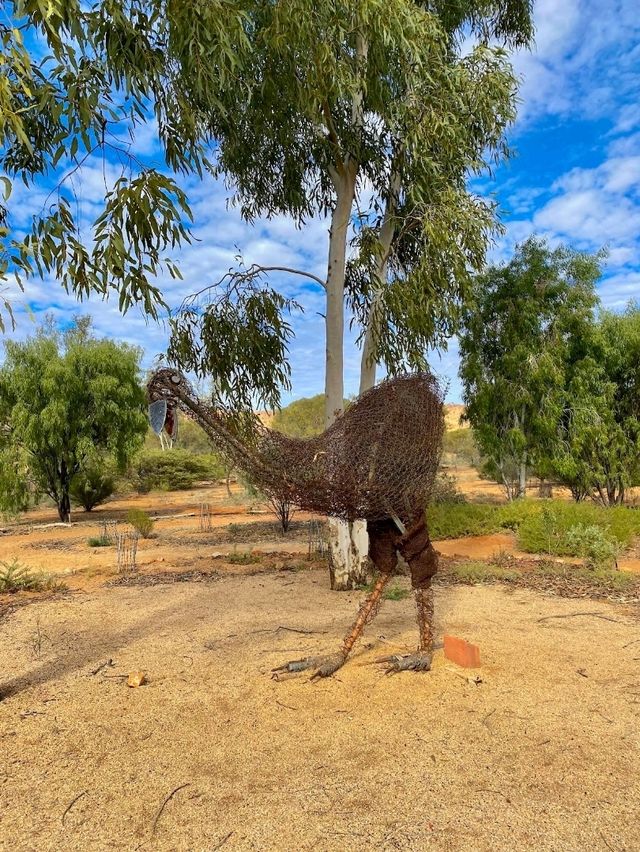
x=127 y=549
x=109 y=531
x=205 y=517
x=377 y=460
x=317 y=541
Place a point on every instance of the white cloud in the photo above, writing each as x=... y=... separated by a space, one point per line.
x=585 y=56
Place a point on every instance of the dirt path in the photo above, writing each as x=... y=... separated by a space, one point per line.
x=543 y=754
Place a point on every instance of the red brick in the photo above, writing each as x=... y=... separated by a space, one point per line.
x=461 y=652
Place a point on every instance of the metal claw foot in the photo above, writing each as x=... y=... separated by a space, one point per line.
x=418 y=662
x=324 y=666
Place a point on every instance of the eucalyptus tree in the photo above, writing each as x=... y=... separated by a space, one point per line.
x=597 y=453
x=523 y=323
x=426 y=233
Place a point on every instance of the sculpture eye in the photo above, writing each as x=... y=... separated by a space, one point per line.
x=175 y=378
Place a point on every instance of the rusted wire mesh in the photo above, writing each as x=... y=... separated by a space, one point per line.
x=317 y=540
x=378 y=460
x=109 y=531
x=205 y=517
x=127 y=548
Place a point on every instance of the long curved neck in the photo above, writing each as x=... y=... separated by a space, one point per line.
x=217 y=428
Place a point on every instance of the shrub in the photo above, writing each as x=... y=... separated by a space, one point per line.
x=594 y=546
x=395 y=593
x=15 y=577
x=92 y=485
x=390 y=593
x=283 y=511
x=445 y=490
x=99 y=541
x=173 y=470
x=456 y=520
x=547 y=529
x=141 y=522
x=245 y=558
x=542 y=526
x=460 y=445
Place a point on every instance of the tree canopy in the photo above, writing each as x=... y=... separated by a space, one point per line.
x=303 y=418
x=524 y=322
x=597 y=452
x=63 y=399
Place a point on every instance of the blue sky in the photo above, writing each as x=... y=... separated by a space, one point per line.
x=575 y=179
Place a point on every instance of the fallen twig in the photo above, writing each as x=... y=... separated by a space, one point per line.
x=575 y=614
x=222 y=842
x=166 y=802
x=606 y=718
x=488 y=716
x=99 y=668
x=298 y=630
x=633 y=642
x=606 y=843
x=71 y=804
x=288 y=706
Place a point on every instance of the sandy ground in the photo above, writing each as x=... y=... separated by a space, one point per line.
x=542 y=754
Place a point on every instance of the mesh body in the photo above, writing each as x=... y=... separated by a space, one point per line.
x=377 y=460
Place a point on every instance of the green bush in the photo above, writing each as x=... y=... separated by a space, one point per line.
x=92 y=485
x=594 y=546
x=141 y=522
x=456 y=520
x=542 y=526
x=460 y=444
x=547 y=530
x=173 y=470
x=243 y=558
x=99 y=541
x=16 y=577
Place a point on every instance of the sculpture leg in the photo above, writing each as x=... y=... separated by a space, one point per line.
x=417 y=549
x=383 y=554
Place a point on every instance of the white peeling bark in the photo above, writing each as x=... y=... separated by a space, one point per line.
x=348 y=543
x=368 y=364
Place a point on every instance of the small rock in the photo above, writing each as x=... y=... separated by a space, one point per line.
x=136 y=679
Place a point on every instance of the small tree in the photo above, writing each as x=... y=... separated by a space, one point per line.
x=596 y=453
x=283 y=510
x=525 y=321
x=62 y=398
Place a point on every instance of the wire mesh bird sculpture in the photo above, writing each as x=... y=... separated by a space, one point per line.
x=378 y=461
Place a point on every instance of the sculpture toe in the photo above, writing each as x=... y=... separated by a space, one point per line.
x=418 y=662
x=324 y=666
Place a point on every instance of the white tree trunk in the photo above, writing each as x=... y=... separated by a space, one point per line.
x=368 y=364
x=522 y=483
x=348 y=543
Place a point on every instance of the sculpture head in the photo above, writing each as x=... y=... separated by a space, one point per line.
x=161 y=392
x=164 y=383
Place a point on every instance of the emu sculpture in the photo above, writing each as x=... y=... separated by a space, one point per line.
x=377 y=461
